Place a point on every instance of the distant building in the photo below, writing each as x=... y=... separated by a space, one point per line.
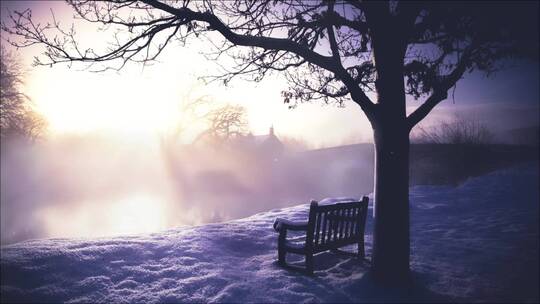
x=267 y=145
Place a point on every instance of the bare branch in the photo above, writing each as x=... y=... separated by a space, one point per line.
x=440 y=91
x=280 y=44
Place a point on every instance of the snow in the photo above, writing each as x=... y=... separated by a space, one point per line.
x=334 y=200
x=475 y=242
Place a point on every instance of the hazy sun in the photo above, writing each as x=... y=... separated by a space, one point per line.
x=76 y=102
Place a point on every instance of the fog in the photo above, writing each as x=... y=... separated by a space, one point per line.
x=95 y=184
x=91 y=186
x=80 y=186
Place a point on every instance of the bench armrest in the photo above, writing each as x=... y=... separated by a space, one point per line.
x=283 y=224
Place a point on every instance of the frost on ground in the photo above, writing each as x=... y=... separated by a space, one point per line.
x=476 y=242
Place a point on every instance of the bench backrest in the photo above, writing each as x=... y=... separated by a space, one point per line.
x=336 y=225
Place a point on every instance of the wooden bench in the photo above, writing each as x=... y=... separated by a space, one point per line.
x=328 y=228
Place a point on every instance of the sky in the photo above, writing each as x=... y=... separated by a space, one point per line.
x=143 y=102
x=148 y=99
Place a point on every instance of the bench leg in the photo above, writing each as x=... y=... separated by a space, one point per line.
x=361 y=249
x=281 y=256
x=309 y=263
x=281 y=244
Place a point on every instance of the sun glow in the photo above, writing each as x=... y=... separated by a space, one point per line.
x=77 y=102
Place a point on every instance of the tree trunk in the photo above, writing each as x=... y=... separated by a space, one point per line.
x=390 y=257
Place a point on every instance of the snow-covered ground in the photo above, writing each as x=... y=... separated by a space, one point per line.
x=476 y=242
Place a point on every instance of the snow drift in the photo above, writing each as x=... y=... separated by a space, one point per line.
x=476 y=242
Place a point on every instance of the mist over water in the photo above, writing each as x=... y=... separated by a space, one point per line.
x=98 y=185
x=95 y=186
x=78 y=186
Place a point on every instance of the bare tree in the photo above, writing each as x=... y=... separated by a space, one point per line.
x=212 y=122
x=329 y=51
x=17 y=117
x=225 y=123
x=191 y=113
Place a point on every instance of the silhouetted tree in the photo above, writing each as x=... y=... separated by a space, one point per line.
x=225 y=123
x=17 y=118
x=329 y=51
x=210 y=121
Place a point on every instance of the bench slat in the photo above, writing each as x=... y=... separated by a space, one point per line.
x=354 y=225
x=323 y=231
x=342 y=224
x=348 y=224
x=357 y=227
x=337 y=223
x=329 y=226
x=317 y=228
